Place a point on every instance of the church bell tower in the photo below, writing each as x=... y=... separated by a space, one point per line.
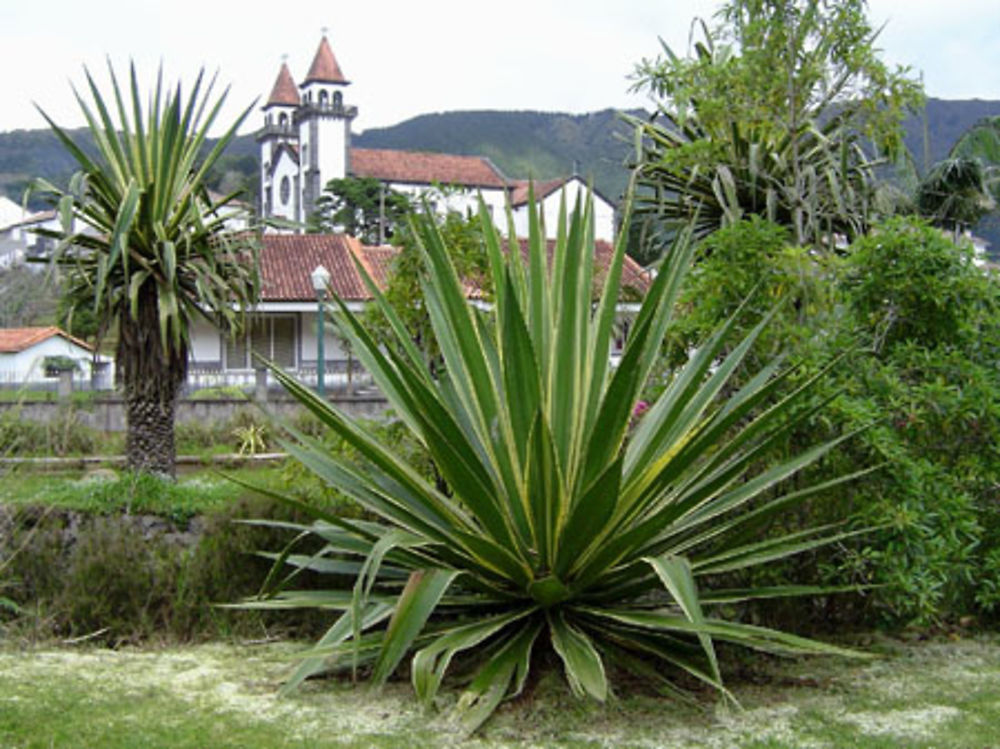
x=279 y=193
x=323 y=121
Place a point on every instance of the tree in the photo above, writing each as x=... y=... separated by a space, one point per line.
x=774 y=115
x=147 y=249
x=959 y=190
x=360 y=206
x=404 y=288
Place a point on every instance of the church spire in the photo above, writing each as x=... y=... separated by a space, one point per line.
x=324 y=68
x=285 y=92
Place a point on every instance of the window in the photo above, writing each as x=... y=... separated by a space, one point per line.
x=270 y=336
x=286 y=190
x=283 y=121
x=338 y=100
x=323 y=99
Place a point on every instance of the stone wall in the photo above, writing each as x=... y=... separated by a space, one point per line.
x=108 y=414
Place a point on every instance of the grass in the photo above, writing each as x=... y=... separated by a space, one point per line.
x=944 y=695
x=105 y=491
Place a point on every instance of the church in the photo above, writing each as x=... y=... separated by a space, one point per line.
x=305 y=142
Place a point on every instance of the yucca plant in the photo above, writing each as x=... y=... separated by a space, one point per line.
x=555 y=522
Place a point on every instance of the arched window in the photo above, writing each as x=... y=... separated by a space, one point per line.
x=323 y=99
x=286 y=190
x=338 y=100
x=283 y=121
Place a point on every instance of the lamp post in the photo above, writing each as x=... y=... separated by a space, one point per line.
x=320 y=280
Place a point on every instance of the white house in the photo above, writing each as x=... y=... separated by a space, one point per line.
x=306 y=141
x=283 y=325
x=18 y=240
x=30 y=356
x=10 y=212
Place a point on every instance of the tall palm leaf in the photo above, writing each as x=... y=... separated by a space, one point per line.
x=553 y=525
x=959 y=190
x=147 y=248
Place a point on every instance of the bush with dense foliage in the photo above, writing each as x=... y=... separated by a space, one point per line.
x=154 y=573
x=922 y=322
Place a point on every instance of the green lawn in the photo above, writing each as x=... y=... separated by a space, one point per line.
x=934 y=694
x=200 y=491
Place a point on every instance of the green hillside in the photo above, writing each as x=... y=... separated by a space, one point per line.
x=521 y=144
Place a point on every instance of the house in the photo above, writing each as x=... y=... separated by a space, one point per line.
x=306 y=141
x=18 y=240
x=283 y=325
x=36 y=355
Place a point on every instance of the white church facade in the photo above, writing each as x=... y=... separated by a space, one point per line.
x=306 y=142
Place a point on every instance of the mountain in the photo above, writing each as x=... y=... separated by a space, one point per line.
x=523 y=145
x=541 y=145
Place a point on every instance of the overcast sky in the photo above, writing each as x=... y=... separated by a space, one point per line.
x=406 y=58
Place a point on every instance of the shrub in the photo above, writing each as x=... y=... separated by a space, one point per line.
x=923 y=384
x=122 y=578
x=64 y=434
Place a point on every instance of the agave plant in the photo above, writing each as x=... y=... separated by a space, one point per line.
x=556 y=523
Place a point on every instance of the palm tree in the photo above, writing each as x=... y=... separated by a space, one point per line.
x=147 y=248
x=962 y=188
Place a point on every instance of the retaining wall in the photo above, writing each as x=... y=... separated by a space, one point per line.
x=108 y=414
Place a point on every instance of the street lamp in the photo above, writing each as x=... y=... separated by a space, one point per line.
x=320 y=280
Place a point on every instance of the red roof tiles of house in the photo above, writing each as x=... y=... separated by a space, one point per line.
x=15 y=340
x=634 y=277
x=425 y=168
x=285 y=93
x=519 y=194
x=286 y=260
x=324 y=68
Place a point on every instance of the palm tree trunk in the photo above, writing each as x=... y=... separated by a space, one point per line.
x=149 y=442
x=150 y=375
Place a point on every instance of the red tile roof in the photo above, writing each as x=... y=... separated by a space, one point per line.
x=285 y=92
x=15 y=340
x=286 y=260
x=634 y=277
x=519 y=192
x=324 y=68
x=425 y=168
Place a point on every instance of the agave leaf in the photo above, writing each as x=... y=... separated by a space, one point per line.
x=676 y=574
x=493 y=681
x=342 y=629
x=581 y=661
x=416 y=603
x=431 y=663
